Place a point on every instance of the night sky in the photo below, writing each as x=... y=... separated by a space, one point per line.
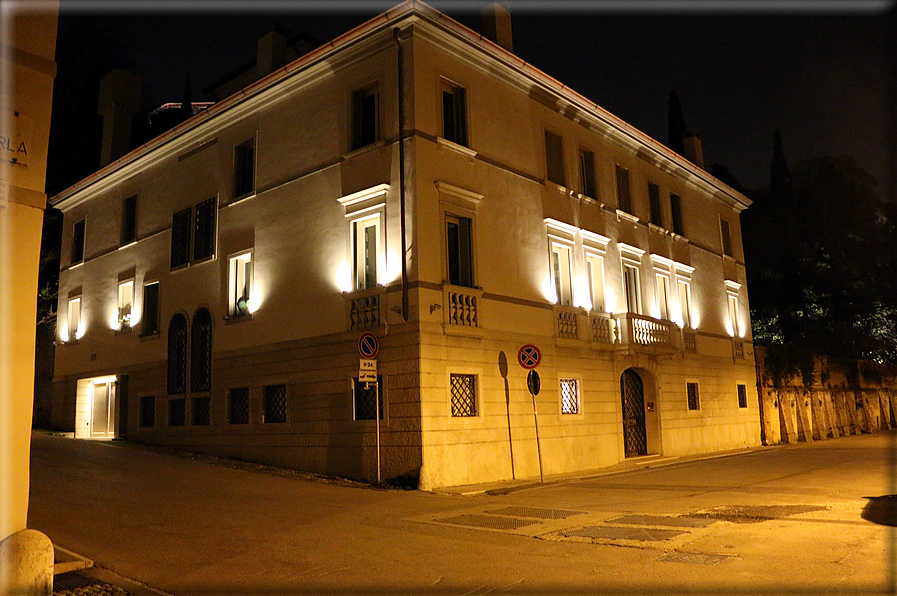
x=821 y=73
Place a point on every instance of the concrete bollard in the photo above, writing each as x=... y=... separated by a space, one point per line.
x=26 y=564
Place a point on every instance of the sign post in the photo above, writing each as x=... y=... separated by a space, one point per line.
x=529 y=358
x=369 y=347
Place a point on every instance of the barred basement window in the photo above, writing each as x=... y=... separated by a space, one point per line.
x=148 y=411
x=742 y=396
x=464 y=395
x=366 y=398
x=202 y=415
x=275 y=404
x=201 y=351
x=177 y=412
x=569 y=396
x=177 y=355
x=694 y=402
x=238 y=406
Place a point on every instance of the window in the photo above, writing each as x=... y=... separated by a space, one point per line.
x=202 y=414
x=368 y=399
x=694 y=402
x=742 y=396
x=569 y=396
x=240 y=276
x=624 y=200
x=244 y=168
x=676 y=211
x=632 y=289
x=560 y=271
x=177 y=355
x=454 y=113
x=595 y=269
x=180 y=237
x=364 y=117
x=275 y=404
x=459 y=250
x=193 y=233
x=654 y=203
x=365 y=252
x=685 y=303
x=663 y=296
x=129 y=220
x=587 y=173
x=238 y=406
x=727 y=238
x=204 y=230
x=733 y=314
x=77 y=242
x=148 y=411
x=201 y=351
x=150 y=315
x=554 y=158
x=464 y=395
x=74 y=318
x=177 y=412
x=125 y=303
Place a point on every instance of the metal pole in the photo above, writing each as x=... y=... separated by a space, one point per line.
x=377 y=415
x=538 y=444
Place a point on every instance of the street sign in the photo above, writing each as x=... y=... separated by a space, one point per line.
x=367 y=371
x=529 y=357
x=533 y=382
x=368 y=345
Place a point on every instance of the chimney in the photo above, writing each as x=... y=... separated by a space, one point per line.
x=692 y=149
x=495 y=23
x=272 y=53
x=120 y=94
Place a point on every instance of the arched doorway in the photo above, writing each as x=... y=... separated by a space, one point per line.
x=635 y=436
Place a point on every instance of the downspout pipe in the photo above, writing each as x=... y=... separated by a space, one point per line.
x=396 y=32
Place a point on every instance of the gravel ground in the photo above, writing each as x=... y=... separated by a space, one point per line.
x=99 y=589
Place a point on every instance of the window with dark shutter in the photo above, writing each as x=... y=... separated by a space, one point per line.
x=244 y=168
x=204 y=230
x=624 y=200
x=554 y=158
x=181 y=224
x=454 y=114
x=201 y=351
x=78 y=242
x=727 y=238
x=587 y=173
x=150 y=316
x=654 y=203
x=364 y=117
x=676 y=210
x=460 y=256
x=238 y=406
x=177 y=355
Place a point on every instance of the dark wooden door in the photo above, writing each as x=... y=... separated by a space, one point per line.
x=634 y=436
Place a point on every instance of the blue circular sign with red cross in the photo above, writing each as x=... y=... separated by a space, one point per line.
x=368 y=345
x=529 y=357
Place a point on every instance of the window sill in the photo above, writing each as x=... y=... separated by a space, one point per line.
x=239 y=199
x=679 y=237
x=558 y=187
x=150 y=336
x=467 y=151
x=656 y=228
x=729 y=259
x=232 y=320
x=366 y=149
x=627 y=216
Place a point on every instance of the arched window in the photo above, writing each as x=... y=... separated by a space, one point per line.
x=177 y=355
x=201 y=352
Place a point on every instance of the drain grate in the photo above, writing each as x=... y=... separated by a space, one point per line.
x=620 y=533
x=752 y=514
x=694 y=558
x=487 y=521
x=657 y=520
x=72 y=581
x=537 y=512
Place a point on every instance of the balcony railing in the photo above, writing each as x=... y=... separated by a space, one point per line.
x=568 y=323
x=603 y=328
x=364 y=311
x=461 y=306
x=643 y=331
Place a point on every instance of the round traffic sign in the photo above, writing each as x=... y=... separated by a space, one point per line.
x=533 y=382
x=529 y=356
x=368 y=345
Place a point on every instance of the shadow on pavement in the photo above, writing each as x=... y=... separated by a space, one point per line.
x=881 y=510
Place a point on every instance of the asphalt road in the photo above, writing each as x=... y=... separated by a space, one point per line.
x=777 y=520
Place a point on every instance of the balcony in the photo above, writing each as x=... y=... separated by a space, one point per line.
x=461 y=306
x=364 y=309
x=644 y=331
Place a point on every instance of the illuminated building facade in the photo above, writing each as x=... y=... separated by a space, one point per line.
x=215 y=282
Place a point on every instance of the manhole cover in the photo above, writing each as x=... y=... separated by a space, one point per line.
x=620 y=533
x=486 y=521
x=694 y=558
x=752 y=514
x=657 y=520
x=72 y=581
x=537 y=512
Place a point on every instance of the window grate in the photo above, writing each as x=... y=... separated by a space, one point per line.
x=202 y=411
x=742 y=396
x=737 y=349
x=238 y=412
x=694 y=402
x=177 y=412
x=464 y=398
x=275 y=403
x=569 y=396
x=201 y=351
x=366 y=401
x=177 y=355
x=690 y=341
x=148 y=411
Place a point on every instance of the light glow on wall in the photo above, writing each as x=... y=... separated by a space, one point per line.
x=610 y=300
x=393 y=267
x=582 y=293
x=342 y=278
x=548 y=289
